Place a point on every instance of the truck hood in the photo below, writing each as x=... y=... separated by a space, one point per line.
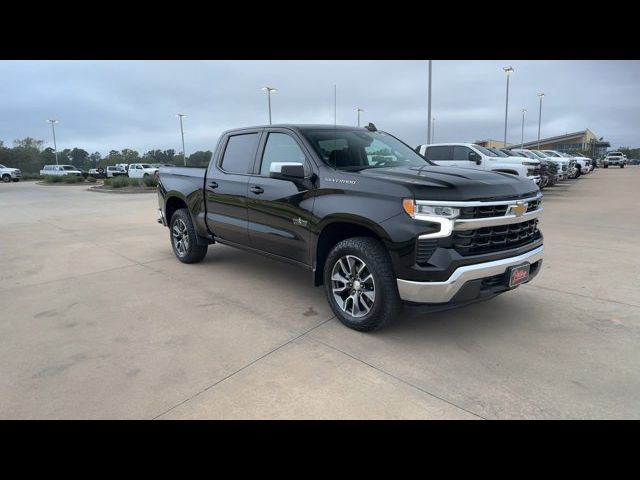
x=454 y=183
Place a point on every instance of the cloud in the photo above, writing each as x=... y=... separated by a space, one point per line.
x=104 y=105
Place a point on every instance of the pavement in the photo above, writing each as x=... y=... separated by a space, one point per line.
x=99 y=320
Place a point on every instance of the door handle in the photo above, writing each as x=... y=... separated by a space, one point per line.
x=213 y=184
x=257 y=190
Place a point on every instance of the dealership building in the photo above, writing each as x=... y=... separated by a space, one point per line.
x=584 y=141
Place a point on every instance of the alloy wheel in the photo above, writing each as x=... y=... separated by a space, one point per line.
x=180 y=237
x=353 y=286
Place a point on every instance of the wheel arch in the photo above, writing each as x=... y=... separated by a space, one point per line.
x=337 y=228
x=173 y=203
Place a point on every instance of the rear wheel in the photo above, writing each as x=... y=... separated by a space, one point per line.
x=622 y=166
x=360 y=284
x=184 y=239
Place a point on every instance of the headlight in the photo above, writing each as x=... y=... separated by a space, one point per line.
x=415 y=210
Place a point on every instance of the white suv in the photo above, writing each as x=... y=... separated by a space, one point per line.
x=470 y=155
x=10 y=174
x=140 y=170
x=60 y=170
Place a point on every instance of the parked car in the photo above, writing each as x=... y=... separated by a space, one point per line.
x=533 y=166
x=60 y=170
x=98 y=172
x=548 y=170
x=140 y=170
x=8 y=174
x=115 y=171
x=582 y=163
x=563 y=164
x=470 y=155
x=375 y=229
x=615 y=159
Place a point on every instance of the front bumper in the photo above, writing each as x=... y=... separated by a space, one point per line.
x=461 y=278
x=535 y=179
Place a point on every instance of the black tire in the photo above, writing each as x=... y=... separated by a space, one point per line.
x=578 y=172
x=606 y=166
x=386 y=304
x=192 y=252
x=6 y=178
x=622 y=166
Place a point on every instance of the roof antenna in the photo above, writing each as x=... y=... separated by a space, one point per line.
x=371 y=127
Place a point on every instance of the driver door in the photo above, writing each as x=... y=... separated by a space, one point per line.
x=279 y=210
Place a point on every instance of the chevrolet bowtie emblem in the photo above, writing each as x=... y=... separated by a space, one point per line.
x=519 y=209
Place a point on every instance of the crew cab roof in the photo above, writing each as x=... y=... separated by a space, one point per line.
x=297 y=127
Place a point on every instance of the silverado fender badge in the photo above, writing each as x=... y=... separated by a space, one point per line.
x=339 y=180
x=299 y=221
x=519 y=209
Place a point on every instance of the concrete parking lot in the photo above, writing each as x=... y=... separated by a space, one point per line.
x=99 y=320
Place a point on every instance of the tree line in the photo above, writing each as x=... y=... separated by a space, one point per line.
x=29 y=156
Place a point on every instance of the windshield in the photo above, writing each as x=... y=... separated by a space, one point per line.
x=551 y=154
x=485 y=151
x=498 y=153
x=360 y=149
x=2 y=166
x=513 y=153
x=538 y=153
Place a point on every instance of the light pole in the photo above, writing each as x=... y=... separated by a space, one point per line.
x=184 y=153
x=522 y=139
x=429 y=108
x=508 y=70
x=269 y=90
x=359 y=110
x=53 y=129
x=433 y=129
x=540 y=118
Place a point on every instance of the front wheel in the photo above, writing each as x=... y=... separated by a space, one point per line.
x=622 y=166
x=360 y=284
x=184 y=239
x=6 y=178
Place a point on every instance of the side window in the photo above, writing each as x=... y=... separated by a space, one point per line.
x=461 y=153
x=439 y=153
x=240 y=152
x=280 y=147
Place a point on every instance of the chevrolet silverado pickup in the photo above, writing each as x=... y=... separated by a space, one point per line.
x=376 y=224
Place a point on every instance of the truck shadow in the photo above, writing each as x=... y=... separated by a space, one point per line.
x=502 y=313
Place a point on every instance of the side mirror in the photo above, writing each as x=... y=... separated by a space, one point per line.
x=474 y=157
x=286 y=170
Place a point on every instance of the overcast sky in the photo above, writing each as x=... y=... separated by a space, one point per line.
x=104 y=105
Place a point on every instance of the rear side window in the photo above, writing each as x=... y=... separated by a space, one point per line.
x=240 y=153
x=439 y=153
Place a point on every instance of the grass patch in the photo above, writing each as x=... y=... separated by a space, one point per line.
x=53 y=179
x=73 y=179
x=91 y=179
x=150 y=181
x=119 y=182
x=134 y=182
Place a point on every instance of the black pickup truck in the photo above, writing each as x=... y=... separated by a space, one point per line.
x=376 y=223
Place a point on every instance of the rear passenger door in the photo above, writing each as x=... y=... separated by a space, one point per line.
x=439 y=154
x=226 y=186
x=280 y=210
